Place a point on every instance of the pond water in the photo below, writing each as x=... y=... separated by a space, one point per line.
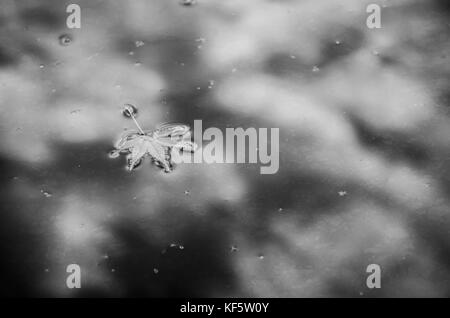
x=363 y=173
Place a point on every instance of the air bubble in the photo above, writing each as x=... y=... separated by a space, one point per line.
x=113 y=154
x=187 y=2
x=129 y=110
x=65 y=40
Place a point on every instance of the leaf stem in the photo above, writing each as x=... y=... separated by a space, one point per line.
x=137 y=124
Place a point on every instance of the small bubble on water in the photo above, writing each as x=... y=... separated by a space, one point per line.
x=65 y=40
x=113 y=154
x=129 y=110
x=187 y=2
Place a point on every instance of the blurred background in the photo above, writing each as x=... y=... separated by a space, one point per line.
x=364 y=148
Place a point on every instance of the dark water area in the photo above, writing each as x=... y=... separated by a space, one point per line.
x=363 y=149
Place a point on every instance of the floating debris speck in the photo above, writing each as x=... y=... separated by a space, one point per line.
x=46 y=193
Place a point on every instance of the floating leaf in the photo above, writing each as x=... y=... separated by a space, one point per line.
x=158 y=144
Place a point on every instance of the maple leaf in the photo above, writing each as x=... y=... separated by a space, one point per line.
x=158 y=144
